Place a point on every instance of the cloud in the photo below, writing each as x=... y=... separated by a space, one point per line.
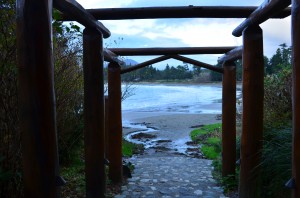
x=200 y=32
x=104 y=3
x=187 y=32
x=130 y=27
x=278 y=30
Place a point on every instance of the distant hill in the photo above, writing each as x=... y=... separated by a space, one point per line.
x=130 y=62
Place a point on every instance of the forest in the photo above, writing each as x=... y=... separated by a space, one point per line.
x=273 y=65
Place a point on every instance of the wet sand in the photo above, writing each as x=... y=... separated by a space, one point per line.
x=170 y=125
x=175 y=127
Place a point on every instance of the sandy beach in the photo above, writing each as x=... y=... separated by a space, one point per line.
x=173 y=128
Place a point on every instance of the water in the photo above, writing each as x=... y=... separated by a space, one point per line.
x=175 y=98
x=161 y=99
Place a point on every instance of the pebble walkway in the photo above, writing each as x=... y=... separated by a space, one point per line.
x=171 y=176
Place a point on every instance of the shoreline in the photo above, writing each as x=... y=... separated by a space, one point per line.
x=172 y=128
x=178 y=83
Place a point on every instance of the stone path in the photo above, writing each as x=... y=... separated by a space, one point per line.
x=169 y=175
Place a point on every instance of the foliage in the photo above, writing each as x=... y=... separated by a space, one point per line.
x=210 y=152
x=276 y=164
x=277 y=149
x=68 y=94
x=10 y=148
x=75 y=176
x=209 y=137
x=129 y=149
x=215 y=76
x=205 y=130
x=150 y=73
x=280 y=60
x=68 y=77
x=278 y=97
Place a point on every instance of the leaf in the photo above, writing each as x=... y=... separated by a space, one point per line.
x=56 y=15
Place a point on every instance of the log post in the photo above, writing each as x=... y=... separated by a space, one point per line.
x=93 y=113
x=36 y=98
x=252 y=119
x=296 y=95
x=114 y=123
x=106 y=128
x=229 y=120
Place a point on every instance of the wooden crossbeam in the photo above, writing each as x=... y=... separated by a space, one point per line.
x=232 y=55
x=145 y=64
x=175 y=12
x=111 y=57
x=74 y=10
x=170 y=51
x=197 y=63
x=261 y=14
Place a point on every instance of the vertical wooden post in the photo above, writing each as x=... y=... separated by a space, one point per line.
x=252 y=120
x=36 y=97
x=296 y=94
x=229 y=120
x=106 y=128
x=93 y=113
x=114 y=122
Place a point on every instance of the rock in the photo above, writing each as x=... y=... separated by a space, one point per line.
x=143 y=136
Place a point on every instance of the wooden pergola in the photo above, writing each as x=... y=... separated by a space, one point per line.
x=37 y=99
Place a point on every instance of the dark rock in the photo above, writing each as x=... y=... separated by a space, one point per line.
x=192 y=143
x=143 y=136
x=163 y=141
x=197 y=126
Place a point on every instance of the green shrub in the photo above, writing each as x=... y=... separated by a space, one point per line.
x=210 y=152
x=276 y=165
x=209 y=137
x=129 y=149
x=205 y=132
x=278 y=98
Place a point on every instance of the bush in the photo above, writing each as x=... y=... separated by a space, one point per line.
x=209 y=137
x=278 y=98
x=10 y=148
x=68 y=86
x=68 y=82
x=276 y=165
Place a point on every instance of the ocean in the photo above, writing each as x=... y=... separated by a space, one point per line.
x=181 y=98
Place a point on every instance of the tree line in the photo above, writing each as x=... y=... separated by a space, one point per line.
x=276 y=63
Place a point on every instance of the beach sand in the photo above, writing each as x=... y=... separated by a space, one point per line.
x=175 y=127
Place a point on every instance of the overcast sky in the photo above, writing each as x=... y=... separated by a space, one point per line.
x=185 y=32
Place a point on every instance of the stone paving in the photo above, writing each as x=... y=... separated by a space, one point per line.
x=170 y=175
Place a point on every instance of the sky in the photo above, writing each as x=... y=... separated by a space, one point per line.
x=185 y=32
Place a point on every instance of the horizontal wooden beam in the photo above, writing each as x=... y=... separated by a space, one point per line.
x=197 y=63
x=169 y=51
x=175 y=12
x=145 y=64
x=74 y=10
x=111 y=57
x=261 y=14
x=232 y=55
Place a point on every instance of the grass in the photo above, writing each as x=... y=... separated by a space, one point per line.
x=209 y=137
x=209 y=152
x=75 y=177
x=130 y=149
